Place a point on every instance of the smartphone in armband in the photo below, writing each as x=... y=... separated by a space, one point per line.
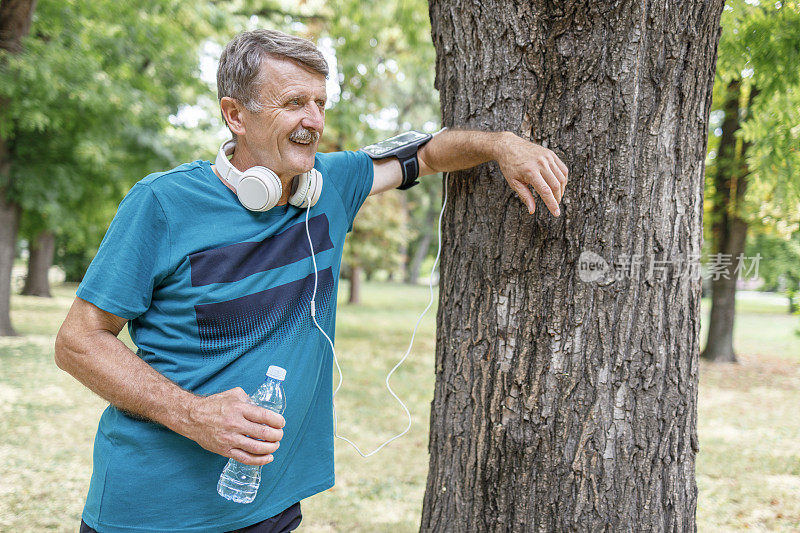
x=404 y=147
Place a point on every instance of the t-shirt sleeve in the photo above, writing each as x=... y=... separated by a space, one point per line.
x=351 y=173
x=133 y=258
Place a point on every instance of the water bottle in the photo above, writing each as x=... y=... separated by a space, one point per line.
x=239 y=482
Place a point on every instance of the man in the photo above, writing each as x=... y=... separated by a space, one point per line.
x=214 y=293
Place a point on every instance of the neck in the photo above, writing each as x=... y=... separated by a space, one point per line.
x=243 y=159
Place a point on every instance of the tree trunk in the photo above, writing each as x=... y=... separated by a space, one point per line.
x=412 y=275
x=566 y=397
x=421 y=252
x=355 y=285
x=40 y=260
x=719 y=343
x=15 y=22
x=9 y=224
x=729 y=230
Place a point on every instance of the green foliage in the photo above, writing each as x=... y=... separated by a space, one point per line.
x=780 y=259
x=385 y=58
x=88 y=106
x=384 y=63
x=760 y=49
x=760 y=38
x=90 y=98
x=773 y=136
x=760 y=45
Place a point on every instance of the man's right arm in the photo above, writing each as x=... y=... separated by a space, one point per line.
x=226 y=423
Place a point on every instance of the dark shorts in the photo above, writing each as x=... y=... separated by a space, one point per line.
x=283 y=522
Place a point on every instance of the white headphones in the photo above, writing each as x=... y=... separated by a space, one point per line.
x=260 y=189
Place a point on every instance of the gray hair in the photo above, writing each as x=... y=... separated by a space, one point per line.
x=239 y=71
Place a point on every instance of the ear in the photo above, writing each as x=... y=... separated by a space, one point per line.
x=233 y=110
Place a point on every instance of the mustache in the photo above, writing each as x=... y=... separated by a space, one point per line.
x=304 y=135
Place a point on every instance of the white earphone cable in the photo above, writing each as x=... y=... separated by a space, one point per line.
x=413 y=334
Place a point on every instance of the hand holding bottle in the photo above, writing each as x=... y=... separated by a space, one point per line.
x=239 y=482
x=229 y=424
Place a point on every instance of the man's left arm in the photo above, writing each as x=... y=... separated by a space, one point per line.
x=522 y=163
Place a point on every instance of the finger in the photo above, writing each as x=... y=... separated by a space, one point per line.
x=255 y=447
x=561 y=166
x=248 y=458
x=551 y=180
x=259 y=415
x=562 y=178
x=543 y=189
x=262 y=432
x=524 y=194
x=562 y=181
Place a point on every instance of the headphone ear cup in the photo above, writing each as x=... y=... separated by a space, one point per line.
x=259 y=189
x=307 y=189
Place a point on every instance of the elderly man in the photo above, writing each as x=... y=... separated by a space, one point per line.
x=214 y=291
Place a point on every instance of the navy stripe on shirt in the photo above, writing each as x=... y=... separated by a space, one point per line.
x=238 y=261
x=244 y=323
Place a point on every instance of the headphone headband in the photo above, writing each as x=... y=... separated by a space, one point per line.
x=228 y=172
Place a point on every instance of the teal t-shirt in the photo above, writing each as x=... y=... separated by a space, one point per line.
x=214 y=294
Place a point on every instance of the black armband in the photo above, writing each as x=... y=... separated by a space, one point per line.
x=404 y=147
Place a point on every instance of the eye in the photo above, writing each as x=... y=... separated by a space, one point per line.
x=321 y=104
x=294 y=101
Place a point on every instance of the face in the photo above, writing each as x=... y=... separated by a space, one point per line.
x=285 y=134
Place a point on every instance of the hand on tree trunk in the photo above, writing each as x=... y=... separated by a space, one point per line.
x=526 y=164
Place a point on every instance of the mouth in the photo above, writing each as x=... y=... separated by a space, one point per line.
x=304 y=137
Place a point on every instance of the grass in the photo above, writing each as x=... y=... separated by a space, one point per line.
x=748 y=468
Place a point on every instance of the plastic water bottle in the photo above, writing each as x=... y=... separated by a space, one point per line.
x=239 y=482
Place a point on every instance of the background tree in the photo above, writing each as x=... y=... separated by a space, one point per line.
x=780 y=270
x=382 y=56
x=752 y=177
x=15 y=22
x=423 y=215
x=562 y=404
x=383 y=59
x=88 y=107
x=378 y=234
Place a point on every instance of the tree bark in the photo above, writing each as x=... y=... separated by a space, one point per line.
x=355 y=285
x=15 y=22
x=40 y=260
x=566 y=400
x=729 y=229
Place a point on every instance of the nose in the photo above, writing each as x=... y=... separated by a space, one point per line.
x=314 y=118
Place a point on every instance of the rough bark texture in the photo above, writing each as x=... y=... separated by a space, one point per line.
x=562 y=404
x=40 y=260
x=729 y=229
x=15 y=22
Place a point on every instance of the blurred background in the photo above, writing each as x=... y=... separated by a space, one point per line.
x=96 y=94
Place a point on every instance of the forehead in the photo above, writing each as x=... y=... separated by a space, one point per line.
x=280 y=76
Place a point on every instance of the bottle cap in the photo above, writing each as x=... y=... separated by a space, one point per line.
x=276 y=372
